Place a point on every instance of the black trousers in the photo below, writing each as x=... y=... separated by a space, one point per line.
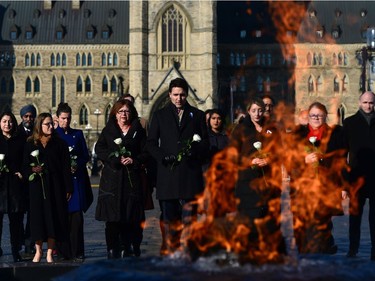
x=173 y=214
x=356 y=205
x=76 y=234
x=15 y=229
x=123 y=235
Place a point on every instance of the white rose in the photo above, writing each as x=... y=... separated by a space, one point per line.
x=197 y=138
x=70 y=149
x=2 y=156
x=258 y=145
x=118 y=141
x=312 y=139
x=35 y=153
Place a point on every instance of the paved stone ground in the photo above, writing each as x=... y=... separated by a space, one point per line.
x=96 y=248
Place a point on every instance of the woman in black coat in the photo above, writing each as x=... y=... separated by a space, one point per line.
x=120 y=200
x=47 y=167
x=12 y=191
x=216 y=134
x=258 y=193
x=316 y=182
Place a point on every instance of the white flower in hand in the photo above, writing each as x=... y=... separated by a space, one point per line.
x=118 y=141
x=2 y=157
x=258 y=145
x=196 y=138
x=312 y=139
x=35 y=153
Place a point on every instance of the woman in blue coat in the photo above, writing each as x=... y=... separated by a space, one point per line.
x=82 y=195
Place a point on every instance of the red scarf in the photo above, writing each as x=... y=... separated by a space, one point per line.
x=318 y=133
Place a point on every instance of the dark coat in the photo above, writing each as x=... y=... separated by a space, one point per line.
x=49 y=217
x=185 y=179
x=12 y=189
x=251 y=188
x=359 y=139
x=329 y=171
x=218 y=141
x=82 y=196
x=120 y=200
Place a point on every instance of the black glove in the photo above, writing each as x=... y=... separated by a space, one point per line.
x=169 y=159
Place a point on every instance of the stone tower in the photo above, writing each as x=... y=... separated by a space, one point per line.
x=169 y=39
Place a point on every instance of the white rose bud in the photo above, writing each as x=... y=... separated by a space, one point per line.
x=258 y=145
x=197 y=138
x=70 y=149
x=312 y=139
x=35 y=153
x=118 y=141
x=2 y=156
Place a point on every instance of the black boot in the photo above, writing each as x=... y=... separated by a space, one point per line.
x=1 y=252
x=112 y=254
x=137 y=250
x=16 y=255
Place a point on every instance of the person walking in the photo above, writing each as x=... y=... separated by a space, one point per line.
x=178 y=142
x=12 y=191
x=47 y=167
x=120 y=200
x=82 y=195
x=359 y=137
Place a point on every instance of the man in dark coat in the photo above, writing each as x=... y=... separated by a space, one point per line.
x=179 y=159
x=25 y=129
x=359 y=137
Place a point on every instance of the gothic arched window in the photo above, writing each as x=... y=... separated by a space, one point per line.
x=105 y=84
x=83 y=116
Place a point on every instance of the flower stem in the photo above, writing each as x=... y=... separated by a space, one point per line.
x=264 y=177
x=44 y=193
x=130 y=181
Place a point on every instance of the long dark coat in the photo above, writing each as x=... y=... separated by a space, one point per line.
x=118 y=201
x=49 y=217
x=185 y=179
x=12 y=189
x=254 y=188
x=328 y=172
x=359 y=139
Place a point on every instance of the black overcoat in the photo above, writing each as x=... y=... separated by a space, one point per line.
x=12 y=189
x=120 y=199
x=185 y=179
x=254 y=187
x=49 y=217
x=359 y=139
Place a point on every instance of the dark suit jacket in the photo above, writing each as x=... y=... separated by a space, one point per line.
x=185 y=179
x=359 y=139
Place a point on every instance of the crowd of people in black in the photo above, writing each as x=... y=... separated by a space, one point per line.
x=51 y=187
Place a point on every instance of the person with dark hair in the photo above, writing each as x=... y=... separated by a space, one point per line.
x=82 y=195
x=179 y=166
x=120 y=201
x=143 y=121
x=359 y=136
x=259 y=196
x=269 y=103
x=46 y=164
x=12 y=191
x=316 y=181
x=217 y=136
x=25 y=129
